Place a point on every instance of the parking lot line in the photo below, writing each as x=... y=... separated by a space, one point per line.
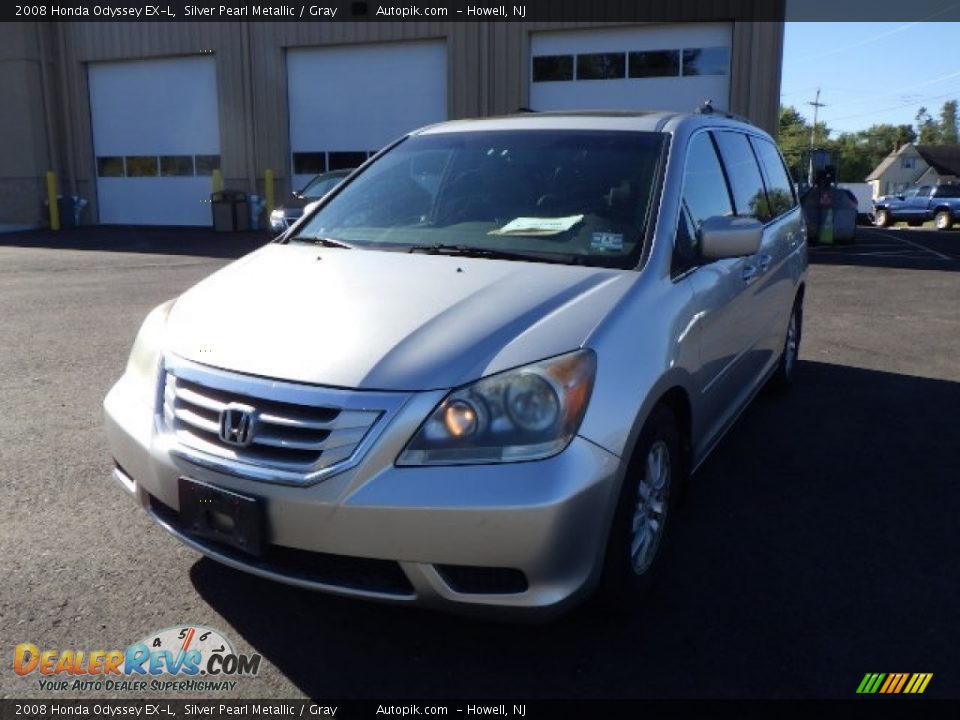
x=913 y=244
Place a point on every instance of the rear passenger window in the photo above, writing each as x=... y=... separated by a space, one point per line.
x=779 y=188
x=705 y=195
x=749 y=197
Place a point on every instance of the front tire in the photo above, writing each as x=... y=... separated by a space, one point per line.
x=942 y=220
x=648 y=499
x=881 y=218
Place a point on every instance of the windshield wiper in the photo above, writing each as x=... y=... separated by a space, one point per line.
x=471 y=251
x=320 y=240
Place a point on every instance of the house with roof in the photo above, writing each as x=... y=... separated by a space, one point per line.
x=915 y=165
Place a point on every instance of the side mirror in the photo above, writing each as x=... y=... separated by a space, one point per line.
x=729 y=237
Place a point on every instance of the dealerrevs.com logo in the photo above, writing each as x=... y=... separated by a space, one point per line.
x=192 y=657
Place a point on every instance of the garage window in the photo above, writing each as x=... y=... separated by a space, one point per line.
x=141 y=165
x=110 y=166
x=551 y=68
x=206 y=164
x=346 y=160
x=314 y=163
x=176 y=165
x=601 y=66
x=706 y=61
x=309 y=163
x=654 y=63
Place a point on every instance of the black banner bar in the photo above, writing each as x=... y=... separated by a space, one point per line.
x=867 y=707
x=480 y=11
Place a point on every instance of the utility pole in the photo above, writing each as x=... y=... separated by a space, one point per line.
x=813 y=132
x=816 y=106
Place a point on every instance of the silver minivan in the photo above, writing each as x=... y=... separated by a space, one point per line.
x=476 y=376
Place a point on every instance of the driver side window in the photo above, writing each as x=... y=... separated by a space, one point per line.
x=705 y=194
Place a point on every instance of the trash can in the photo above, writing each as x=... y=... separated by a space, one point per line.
x=830 y=215
x=257 y=206
x=66 y=204
x=70 y=208
x=230 y=211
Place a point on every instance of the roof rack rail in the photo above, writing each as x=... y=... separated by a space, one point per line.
x=707 y=108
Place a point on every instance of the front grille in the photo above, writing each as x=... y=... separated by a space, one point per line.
x=284 y=435
x=355 y=573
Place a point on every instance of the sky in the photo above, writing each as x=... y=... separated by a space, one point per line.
x=870 y=72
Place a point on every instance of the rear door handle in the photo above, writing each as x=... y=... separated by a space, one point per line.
x=765 y=261
x=749 y=273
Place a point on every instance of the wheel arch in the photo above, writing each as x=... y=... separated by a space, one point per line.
x=678 y=402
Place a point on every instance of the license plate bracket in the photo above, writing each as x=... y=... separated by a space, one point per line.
x=222 y=515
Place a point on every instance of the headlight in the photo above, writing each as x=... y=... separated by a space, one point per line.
x=144 y=362
x=277 y=219
x=528 y=413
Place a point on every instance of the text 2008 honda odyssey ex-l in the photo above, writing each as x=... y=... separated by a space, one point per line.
x=477 y=374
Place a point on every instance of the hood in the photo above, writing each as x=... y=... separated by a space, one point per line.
x=387 y=320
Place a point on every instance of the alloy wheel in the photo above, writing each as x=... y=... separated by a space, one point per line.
x=651 y=508
x=790 y=349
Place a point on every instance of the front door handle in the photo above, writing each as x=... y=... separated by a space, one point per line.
x=749 y=273
x=765 y=261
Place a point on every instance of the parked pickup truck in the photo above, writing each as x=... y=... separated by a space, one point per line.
x=940 y=203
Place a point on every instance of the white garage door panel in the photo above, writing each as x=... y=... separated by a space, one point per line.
x=360 y=98
x=155 y=201
x=657 y=93
x=155 y=108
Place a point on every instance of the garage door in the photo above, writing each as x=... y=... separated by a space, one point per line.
x=659 y=67
x=156 y=138
x=347 y=102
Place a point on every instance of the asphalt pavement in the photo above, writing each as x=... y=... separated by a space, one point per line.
x=818 y=542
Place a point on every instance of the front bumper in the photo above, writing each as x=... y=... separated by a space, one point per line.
x=459 y=538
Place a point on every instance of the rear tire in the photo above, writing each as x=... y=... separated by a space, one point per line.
x=942 y=220
x=881 y=218
x=782 y=377
x=642 y=521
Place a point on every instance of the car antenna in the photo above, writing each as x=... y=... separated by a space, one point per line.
x=706 y=108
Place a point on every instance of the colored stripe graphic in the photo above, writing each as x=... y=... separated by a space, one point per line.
x=894 y=683
x=892 y=679
x=903 y=679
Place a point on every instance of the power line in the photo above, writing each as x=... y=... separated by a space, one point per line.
x=916 y=102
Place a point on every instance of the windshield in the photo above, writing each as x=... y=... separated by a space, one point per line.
x=567 y=196
x=322 y=184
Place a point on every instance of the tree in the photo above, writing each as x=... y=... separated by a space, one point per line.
x=928 y=132
x=794 y=139
x=859 y=153
x=948 y=123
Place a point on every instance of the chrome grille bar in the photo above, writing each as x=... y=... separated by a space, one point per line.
x=300 y=433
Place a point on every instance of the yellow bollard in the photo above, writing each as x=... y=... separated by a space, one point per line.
x=217 y=180
x=52 y=204
x=268 y=190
